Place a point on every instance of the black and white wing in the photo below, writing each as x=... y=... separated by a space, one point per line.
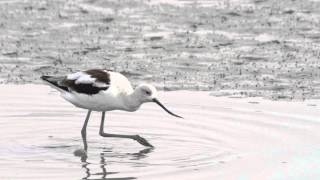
x=87 y=82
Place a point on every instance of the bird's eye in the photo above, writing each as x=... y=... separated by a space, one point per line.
x=148 y=93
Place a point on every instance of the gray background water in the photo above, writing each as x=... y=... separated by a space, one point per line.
x=267 y=48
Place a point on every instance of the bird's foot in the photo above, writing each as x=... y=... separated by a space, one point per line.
x=80 y=153
x=141 y=140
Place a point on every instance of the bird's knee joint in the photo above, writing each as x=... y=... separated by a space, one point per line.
x=83 y=132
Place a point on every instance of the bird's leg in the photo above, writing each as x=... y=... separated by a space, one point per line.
x=137 y=138
x=84 y=131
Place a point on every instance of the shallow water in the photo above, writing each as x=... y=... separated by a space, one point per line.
x=220 y=137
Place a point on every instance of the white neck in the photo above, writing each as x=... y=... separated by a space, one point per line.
x=132 y=101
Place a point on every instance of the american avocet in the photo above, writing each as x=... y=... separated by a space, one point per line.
x=104 y=90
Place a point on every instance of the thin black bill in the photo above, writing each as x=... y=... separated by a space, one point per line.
x=161 y=105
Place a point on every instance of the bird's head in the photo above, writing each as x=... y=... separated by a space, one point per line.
x=148 y=93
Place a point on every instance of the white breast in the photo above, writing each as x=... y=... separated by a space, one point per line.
x=111 y=99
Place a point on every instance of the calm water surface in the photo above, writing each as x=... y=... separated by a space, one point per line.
x=40 y=132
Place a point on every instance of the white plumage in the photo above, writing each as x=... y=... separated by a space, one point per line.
x=118 y=96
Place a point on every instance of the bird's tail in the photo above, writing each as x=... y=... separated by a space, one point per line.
x=55 y=82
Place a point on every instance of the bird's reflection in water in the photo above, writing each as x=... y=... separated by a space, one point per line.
x=103 y=175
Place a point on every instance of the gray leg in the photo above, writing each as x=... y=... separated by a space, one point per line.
x=84 y=131
x=137 y=138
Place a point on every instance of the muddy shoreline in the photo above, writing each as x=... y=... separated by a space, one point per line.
x=242 y=48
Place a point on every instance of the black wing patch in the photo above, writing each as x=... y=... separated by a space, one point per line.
x=87 y=82
x=99 y=75
x=83 y=88
x=55 y=81
x=101 y=82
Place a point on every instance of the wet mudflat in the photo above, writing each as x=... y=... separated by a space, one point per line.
x=220 y=138
x=264 y=48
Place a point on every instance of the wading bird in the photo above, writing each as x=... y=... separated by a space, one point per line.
x=104 y=90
